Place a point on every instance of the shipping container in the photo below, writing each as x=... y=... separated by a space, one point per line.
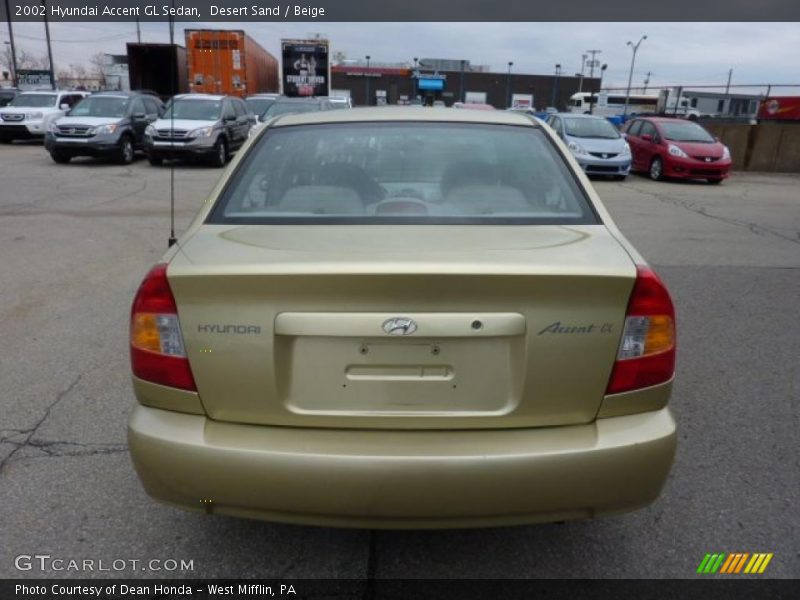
x=305 y=68
x=780 y=108
x=229 y=62
x=160 y=68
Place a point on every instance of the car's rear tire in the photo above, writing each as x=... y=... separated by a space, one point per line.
x=656 y=171
x=126 y=152
x=60 y=157
x=714 y=181
x=220 y=155
x=156 y=161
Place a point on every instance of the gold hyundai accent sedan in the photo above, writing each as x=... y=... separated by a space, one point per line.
x=402 y=318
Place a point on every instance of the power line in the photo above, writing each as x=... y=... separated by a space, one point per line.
x=102 y=39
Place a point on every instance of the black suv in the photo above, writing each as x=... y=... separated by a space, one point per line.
x=110 y=124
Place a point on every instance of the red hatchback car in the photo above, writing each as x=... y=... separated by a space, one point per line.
x=666 y=147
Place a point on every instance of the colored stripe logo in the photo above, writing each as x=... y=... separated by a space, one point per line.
x=734 y=563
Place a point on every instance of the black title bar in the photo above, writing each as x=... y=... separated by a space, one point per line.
x=403 y=10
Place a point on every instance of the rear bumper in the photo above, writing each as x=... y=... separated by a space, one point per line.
x=402 y=479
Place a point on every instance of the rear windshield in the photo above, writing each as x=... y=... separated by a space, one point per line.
x=437 y=173
x=194 y=110
x=101 y=106
x=590 y=128
x=34 y=100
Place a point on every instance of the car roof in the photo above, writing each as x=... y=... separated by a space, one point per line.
x=117 y=94
x=408 y=114
x=200 y=97
x=288 y=99
x=663 y=119
x=48 y=92
x=576 y=116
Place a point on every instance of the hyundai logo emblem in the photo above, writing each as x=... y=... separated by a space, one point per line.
x=708 y=159
x=399 y=326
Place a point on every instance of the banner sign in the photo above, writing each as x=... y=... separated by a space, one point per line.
x=305 y=67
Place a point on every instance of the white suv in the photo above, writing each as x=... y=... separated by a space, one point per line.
x=29 y=114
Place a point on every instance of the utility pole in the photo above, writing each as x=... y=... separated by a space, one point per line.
x=583 y=66
x=634 y=47
x=646 y=82
x=592 y=96
x=138 y=31
x=13 y=48
x=49 y=46
x=593 y=62
x=728 y=85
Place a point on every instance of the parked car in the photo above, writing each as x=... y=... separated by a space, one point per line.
x=29 y=114
x=7 y=95
x=664 y=147
x=594 y=142
x=340 y=101
x=104 y=125
x=286 y=106
x=199 y=126
x=400 y=318
x=259 y=103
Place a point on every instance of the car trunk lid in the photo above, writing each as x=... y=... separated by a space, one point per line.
x=402 y=326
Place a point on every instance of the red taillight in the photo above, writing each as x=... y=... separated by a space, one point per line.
x=157 y=351
x=646 y=353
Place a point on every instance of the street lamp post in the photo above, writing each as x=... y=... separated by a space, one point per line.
x=508 y=85
x=555 y=86
x=634 y=47
x=366 y=75
x=461 y=82
x=416 y=77
x=593 y=94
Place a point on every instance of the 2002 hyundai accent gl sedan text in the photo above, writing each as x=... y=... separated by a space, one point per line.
x=400 y=318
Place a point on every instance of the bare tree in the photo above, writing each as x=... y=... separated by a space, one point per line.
x=97 y=63
x=25 y=60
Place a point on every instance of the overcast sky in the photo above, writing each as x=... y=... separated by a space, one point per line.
x=675 y=53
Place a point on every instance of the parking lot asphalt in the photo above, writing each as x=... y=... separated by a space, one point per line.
x=76 y=239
